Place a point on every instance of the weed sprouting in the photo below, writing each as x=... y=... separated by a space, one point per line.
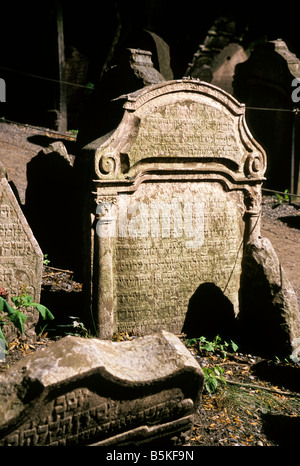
x=15 y=315
x=213 y=375
x=215 y=346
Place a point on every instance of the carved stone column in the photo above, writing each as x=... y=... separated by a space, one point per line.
x=252 y=214
x=103 y=282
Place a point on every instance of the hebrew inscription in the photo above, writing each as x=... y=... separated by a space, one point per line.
x=93 y=392
x=187 y=129
x=176 y=194
x=20 y=256
x=157 y=274
x=80 y=417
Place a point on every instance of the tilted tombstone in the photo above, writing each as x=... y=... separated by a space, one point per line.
x=224 y=63
x=266 y=84
x=170 y=200
x=219 y=67
x=217 y=55
x=91 y=392
x=21 y=259
x=133 y=70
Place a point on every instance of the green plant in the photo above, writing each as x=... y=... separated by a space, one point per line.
x=15 y=315
x=213 y=377
x=280 y=198
x=46 y=261
x=75 y=328
x=217 y=345
x=293 y=358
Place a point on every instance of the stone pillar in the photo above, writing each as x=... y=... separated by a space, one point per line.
x=253 y=214
x=104 y=244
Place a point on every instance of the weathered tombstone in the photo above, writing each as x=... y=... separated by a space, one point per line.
x=265 y=84
x=224 y=63
x=160 y=50
x=21 y=259
x=92 y=392
x=170 y=200
x=219 y=66
x=133 y=70
x=220 y=49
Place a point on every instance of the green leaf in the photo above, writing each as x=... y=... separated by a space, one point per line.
x=217 y=339
x=234 y=346
x=203 y=339
x=44 y=311
x=4 y=306
x=217 y=371
x=23 y=300
x=18 y=319
x=27 y=300
x=191 y=341
x=211 y=384
x=209 y=347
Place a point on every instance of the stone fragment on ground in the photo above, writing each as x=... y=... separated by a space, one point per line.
x=94 y=392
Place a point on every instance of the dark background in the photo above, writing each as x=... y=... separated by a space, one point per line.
x=29 y=42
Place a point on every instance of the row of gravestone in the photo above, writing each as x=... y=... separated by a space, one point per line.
x=264 y=78
x=169 y=206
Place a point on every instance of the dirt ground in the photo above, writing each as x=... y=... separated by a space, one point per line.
x=257 y=401
x=281 y=224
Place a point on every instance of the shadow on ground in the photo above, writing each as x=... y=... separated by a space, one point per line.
x=285 y=376
x=283 y=430
x=291 y=221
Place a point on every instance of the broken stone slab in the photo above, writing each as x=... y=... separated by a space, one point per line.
x=270 y=317
x=94 y=392
x=21 y=258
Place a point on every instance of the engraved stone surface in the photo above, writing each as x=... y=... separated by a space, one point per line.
x=21 y=259
x=94 y=392
x=179 y=245
x=175 y=197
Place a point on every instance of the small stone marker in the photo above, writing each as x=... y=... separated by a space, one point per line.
x=21 y=259
x=170 y=200
x=94 y=392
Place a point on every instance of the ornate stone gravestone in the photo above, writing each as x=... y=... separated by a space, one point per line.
x=92 y=392
x=21 y=259
x=172 y=198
